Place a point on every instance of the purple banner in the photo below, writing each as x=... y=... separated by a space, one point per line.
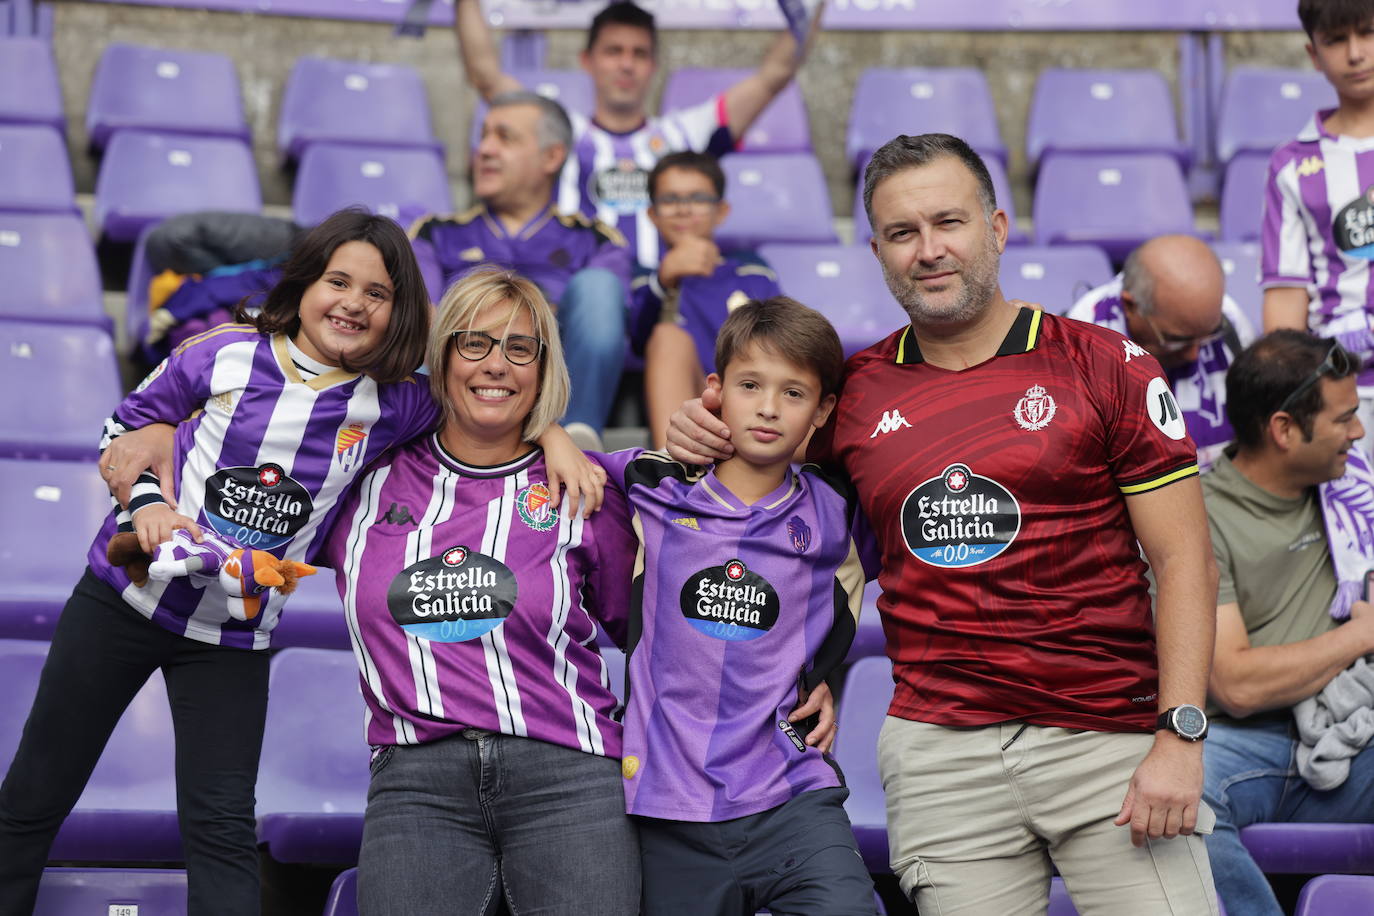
x=916 y=15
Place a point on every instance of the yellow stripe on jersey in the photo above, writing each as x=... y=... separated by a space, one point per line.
x=901 y=344
x=206 y=335
x=1034 y=331
x=1145 y=486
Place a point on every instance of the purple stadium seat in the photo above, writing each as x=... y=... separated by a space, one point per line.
x=919 y=100
x=343 y=895
x=1263 y=108
x=775 y=197
x=344 y=101
x=80 y=891
x=62 y=382
x=314 y=616
x=783 y=127
x=49 y=269
x=128 y=811
x=35 y=174
x=863 y=706
x=29 y=91
x=148 y=177
x=614 y=660
x=61 y=503
x=570 y=88
x=844 y=283
x=165 y=91
x=1240 y=262
x=1311 y=849
x=1114 y=201
x=1001 y=188
x=868 y=639
x=312 y=783
x=1053 y=278
x=1336 y=895
x=140 y=275
x=1242 y=197
x=383 y=179
x=1097 y=111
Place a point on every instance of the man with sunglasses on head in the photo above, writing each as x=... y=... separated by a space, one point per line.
x=1170 y=301
x=1289 y=507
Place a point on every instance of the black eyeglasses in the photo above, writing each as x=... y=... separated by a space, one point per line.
x=1338 y=363
x=699 y=199
x=520 y=349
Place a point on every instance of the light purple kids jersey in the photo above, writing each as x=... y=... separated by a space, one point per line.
x=1199 y=387
x=607 y=175
x=734 y=607
x=263 y=461
x=1318 y=229
x=472 y=600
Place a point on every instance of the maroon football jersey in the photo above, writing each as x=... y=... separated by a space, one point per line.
x=1013 y=586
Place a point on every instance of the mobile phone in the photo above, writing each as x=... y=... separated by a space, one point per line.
x=1368 y=584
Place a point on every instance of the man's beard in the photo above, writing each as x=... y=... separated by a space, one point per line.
x=979 y=287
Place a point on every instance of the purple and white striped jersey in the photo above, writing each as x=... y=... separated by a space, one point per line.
x=262 y=460
x=735 y=606
x=472 y=600
x=1199 y=387
x=607 y=174
x=1318 y=230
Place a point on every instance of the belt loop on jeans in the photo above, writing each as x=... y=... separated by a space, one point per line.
x=1019 y=732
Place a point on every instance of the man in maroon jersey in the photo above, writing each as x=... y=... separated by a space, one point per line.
x=1013 y=463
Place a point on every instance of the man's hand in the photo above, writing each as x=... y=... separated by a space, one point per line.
x=146 y=449
x=695 y=433
x=690 y=257
x=1165 y=790
x=820 y=702
x=156 y=523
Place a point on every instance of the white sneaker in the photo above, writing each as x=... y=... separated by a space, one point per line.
x=584 y=437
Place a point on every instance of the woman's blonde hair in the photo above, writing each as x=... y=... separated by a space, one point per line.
x=491 y=287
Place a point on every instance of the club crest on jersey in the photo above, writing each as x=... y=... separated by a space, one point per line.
x=729 y=602
x=536 y=508
x=1035 y=410
x=799 y=532
x=959 y=519
x=459 y=595
x=1163 y=409
x=349 y=445
x=259 y=507
x=1353 y=228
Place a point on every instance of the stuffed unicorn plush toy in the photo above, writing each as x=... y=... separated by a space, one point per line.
x=243 y=573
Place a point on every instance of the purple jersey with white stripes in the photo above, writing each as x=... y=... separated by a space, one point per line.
x=607 y=174
x=735 y=607
x=1318 y=230
x=549 y=250
x=700 y=305
x=262 y=461
x=1200 y=386
x=473 y=599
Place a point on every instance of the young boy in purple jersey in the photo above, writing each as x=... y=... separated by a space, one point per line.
x=747 y=592
x=1318 y=231
x=693 y=288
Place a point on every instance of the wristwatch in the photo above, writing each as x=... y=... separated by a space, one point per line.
x=1186 y=721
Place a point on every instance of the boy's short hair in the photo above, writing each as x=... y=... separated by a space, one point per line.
x=622 y=12
x=692 y=161
x=1334 y=17
x=794 y=332
x=1269 y=371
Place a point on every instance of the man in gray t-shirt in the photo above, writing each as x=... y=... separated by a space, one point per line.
x=1291 y=400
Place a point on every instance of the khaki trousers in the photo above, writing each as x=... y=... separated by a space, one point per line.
x=976 y=816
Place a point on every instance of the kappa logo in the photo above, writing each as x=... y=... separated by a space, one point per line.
x=1133 y=350
x=1035 y=410
x=1310 y=166
x=891 y=422
x=398 y=515
x=688 y=522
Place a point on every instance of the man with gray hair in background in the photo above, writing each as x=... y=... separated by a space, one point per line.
x=581 y=265
x=1170 y=300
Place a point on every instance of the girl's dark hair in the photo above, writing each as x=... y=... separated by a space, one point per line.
x=402 y=348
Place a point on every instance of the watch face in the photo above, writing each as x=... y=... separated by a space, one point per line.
x=1189 y=721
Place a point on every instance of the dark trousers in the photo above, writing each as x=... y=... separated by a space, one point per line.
x=102 y=653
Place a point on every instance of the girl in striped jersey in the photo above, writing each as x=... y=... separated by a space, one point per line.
x=473 y=599
x=284 y=413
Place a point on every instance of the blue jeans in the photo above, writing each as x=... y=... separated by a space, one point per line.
x=1252 y=777
x=591 y=320
x=454 y=825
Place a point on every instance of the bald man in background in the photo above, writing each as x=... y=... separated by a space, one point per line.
x=1170 y=301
